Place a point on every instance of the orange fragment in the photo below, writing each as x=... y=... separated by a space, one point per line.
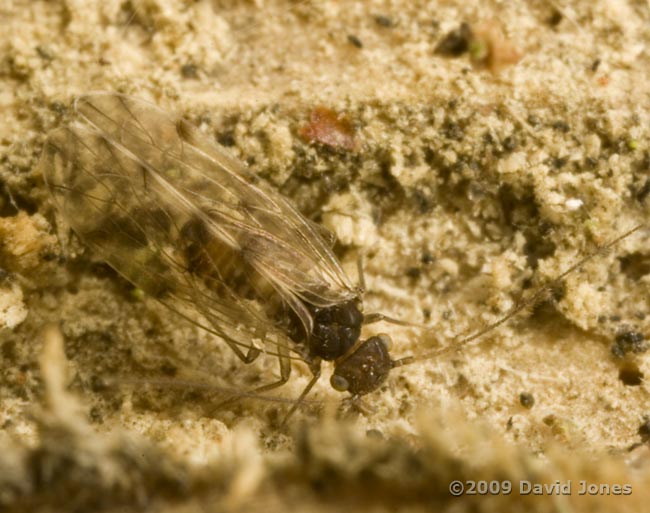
x=328 y=128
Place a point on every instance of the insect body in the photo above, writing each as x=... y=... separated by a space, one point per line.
x=191 y=226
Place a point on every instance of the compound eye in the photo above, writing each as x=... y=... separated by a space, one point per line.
x=339 y=383
x=386 y=340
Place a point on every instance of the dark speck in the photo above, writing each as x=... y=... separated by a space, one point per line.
x=58 y=107
x=8 y=350
x=190 y=71
x=643 y=192
x=423 y=202
x=533 y=120
x=97 y=384
x=44 y=53
x=527 y=400
x=644 y=164
x=456 y=42
x=427 y=258
x=562 y=126
x=95 y=415
x=510 y=143
x=49 y=257
x=452 y=130
x=413 y=272
x=354 y=40
x=555 y=18
x=617 y=351
x=383 y=21
x=631 y=375
x=644 y=430
x=560 y=162
x=226 y=139
x=630 y=337
x=595 y=65
x=629 y=342
x=168 y=369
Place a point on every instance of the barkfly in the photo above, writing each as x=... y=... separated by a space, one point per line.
x=192 y=227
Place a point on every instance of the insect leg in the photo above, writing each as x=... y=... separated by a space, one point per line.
x=357 y=402
x=285 y=372
x=250 y=356
x=378 y=317
x=362 y=276
x=303 y=394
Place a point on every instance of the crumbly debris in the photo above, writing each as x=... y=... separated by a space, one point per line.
x=467 y=191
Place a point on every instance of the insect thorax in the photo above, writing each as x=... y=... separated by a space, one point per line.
x=336 y=330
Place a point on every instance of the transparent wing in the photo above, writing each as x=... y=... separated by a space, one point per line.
x=185 y=222
x=99 y=191
x=246 y=213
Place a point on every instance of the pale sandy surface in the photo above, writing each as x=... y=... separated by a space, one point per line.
x=468 y=189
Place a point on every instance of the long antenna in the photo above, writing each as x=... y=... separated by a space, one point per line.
x=541 y=292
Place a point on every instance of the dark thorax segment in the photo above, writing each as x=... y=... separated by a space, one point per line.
x=336 y=329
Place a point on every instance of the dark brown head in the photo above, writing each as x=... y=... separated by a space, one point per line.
x=364 y=370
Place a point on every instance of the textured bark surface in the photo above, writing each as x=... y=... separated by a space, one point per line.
x=469 y=166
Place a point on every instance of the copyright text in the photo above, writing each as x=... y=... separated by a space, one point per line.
x=524 y=487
